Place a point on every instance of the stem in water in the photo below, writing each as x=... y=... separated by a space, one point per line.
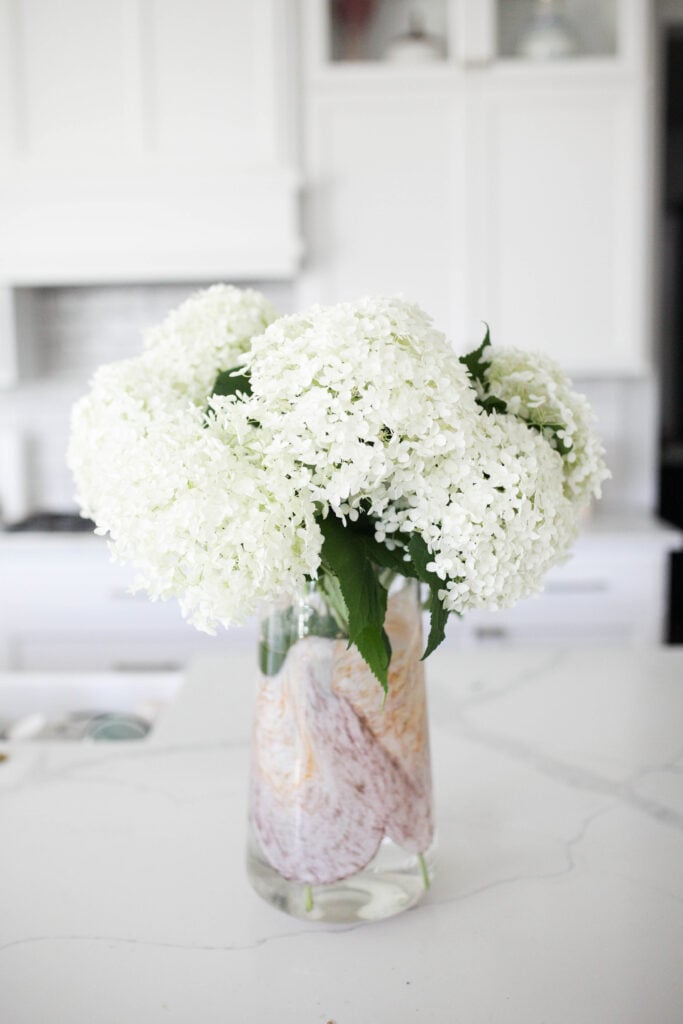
x=423 y=869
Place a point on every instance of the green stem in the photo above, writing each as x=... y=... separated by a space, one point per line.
x=308 y=905
x=425 y=873
x=332 y=591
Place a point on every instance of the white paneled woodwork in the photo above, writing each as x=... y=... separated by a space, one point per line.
x=224 y=75
x=556 y=265
x=120 y=227
x=519 y=199
x=384 y=183
x=64 y=604
x=70 y=78
x=613 y=590
x=475 y=31
x=146 y=140
x=511 y=191
x=145 y=80
x=9 y=100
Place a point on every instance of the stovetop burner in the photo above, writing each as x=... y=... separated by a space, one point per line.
x=52 y=522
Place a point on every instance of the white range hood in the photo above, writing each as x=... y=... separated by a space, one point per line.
x=148 y=141
x=152 y=227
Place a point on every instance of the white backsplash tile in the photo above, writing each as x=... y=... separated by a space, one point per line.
x=74 y=330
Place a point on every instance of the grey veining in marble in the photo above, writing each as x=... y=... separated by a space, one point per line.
x=559 y=805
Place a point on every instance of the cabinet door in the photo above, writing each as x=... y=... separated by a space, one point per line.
x=146 y=140
x=556 y=219
x=195 y=81
x=385 y=173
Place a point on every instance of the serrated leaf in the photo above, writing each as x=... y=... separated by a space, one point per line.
x=493 y=404
x=329 y=584
x=363 y=529
x=381 y=555
x=476 y=362
x=438 y=615
x=364 y=596
x=230 y=382
x=375 y=647
x=421 y=557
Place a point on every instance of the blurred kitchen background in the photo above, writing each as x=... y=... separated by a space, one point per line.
x=514 y=161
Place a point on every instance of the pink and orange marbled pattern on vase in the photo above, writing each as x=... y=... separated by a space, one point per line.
x=334 y=771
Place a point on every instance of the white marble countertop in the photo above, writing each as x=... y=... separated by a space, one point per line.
x=558 y=900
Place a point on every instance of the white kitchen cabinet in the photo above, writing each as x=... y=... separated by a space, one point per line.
x=381 y=214
x=489 y=187
x=557 y=217
x=147 y=140
x=469 y=31
x=65 y=605
x=612 y=591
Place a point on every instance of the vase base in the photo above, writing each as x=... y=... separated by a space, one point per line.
x=393 y=881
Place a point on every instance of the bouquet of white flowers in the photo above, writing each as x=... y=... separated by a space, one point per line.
x=243 y=454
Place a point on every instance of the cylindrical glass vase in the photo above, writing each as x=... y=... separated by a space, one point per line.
x=341 y=825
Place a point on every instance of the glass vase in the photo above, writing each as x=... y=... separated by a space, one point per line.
x=341 y=825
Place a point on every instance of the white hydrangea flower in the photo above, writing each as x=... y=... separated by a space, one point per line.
x=210 y=331
x=185 y=498
x=537 y=390
x=505 y=519
x=366 y=395
x=360 y=408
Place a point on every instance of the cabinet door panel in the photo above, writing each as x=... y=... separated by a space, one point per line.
x=214 y=91
x=193 y=81
x=385 y=187
x=146 y=140
x=69 y=68
x=558 y=260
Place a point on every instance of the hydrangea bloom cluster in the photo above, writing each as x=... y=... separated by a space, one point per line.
x=539 y=392
x=360 y=410
x=368 y=396
x=186 y=498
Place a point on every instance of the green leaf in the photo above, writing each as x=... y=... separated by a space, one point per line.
x=375 y=647
x=229 y=382
x=381 y=555
x=363 y=530
x=270 y=659
x=493 y=404
x=364 y=596
x=421 y=556
x=329 y=585
x=438 y=615
x=476 y=362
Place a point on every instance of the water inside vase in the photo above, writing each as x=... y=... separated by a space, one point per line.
x=340 y=803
